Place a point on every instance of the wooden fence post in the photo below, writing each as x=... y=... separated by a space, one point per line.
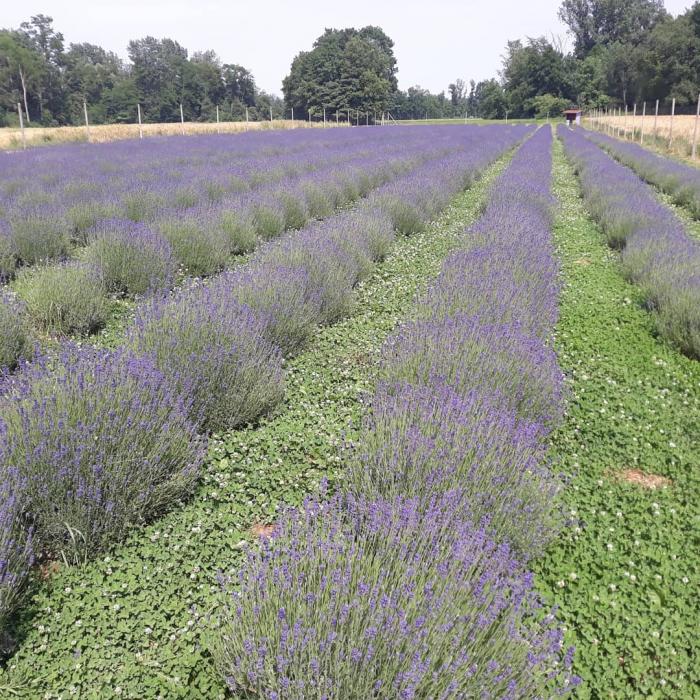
x=87 y=123
x=695 y=129
x=218 y=128
x=670 y=129
x=182 y=119
x=634 y=121
x=21 y=126
x=138 y=109
x=246 y=119
x=641 y=131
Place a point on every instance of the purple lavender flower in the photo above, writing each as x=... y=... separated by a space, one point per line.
x=213 y=350
x=102 y=442
x=453 y=613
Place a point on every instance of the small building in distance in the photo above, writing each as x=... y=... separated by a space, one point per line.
x=572 y=116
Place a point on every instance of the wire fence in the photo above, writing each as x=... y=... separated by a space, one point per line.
x=651 y=124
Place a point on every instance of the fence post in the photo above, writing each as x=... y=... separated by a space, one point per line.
x=87 y=123
x=182 y=119
x=292 y=113
x=138 y=108
x=634 y=121
x=324 y=117
x=270 y=114
x=624 y=124
x=670 y=130
x=246 y=119
x=218 y=128
x=641 y=131
x=21 y=126
x=656 y=116
x=695 y=129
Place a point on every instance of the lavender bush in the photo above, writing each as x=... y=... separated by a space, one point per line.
x=84 y=216
x=131 y=258
x=102 y=441
x=39 y=238
x=142 y=205
x=239 y=228
x=16 y=550
x=468 y=399
x=681 y=181
x=213 y=350
x=658 y=253
x=370 y=599
x=419 y=441
x=8 y=254
x=469 y=354
x=15 y=342
x=285 y=297
x=200 y=247
x=65 y=299
x=330 y=269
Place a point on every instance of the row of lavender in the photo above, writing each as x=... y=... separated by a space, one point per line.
x=657 y=252
x=49 y=206
x=124 y=257
x=94 y=442
x=680 y=181
x=412 y=582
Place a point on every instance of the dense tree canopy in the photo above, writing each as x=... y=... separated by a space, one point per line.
x=345 y=69
x=51 y=82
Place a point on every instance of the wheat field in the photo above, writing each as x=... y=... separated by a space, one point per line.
x=676 y=138
x=10 y=138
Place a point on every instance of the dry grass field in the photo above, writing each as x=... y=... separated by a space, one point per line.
x=678 y=141
x=10 y=138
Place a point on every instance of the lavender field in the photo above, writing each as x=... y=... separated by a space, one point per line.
x=321 y=414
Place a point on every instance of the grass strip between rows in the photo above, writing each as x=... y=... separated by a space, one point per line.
x=625 y=576
x=131 y=624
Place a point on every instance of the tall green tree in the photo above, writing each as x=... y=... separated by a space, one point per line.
x=40 y=35
x=346 y=69
x=159 y=71
x=602 y=22
x=534 y=69
x=21 y=69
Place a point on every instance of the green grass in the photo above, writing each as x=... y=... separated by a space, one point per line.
x=133 y=622
x=625 y=575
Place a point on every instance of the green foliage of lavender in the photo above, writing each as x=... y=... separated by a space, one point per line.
x=361 y=599
x=286 y=299
x=131 y=258
x=16 y=547
x=101 y=441
x=199 y=247
x=213 y=350
x=65 y=299
x=39 y=238
x=680 y=181
x=15 y=341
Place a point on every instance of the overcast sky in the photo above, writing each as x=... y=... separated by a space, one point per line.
x=436 y=41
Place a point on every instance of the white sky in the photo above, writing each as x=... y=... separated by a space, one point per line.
x=435 y=41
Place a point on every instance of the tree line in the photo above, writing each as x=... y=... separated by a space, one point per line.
x=623 y=51
x=51 y=81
